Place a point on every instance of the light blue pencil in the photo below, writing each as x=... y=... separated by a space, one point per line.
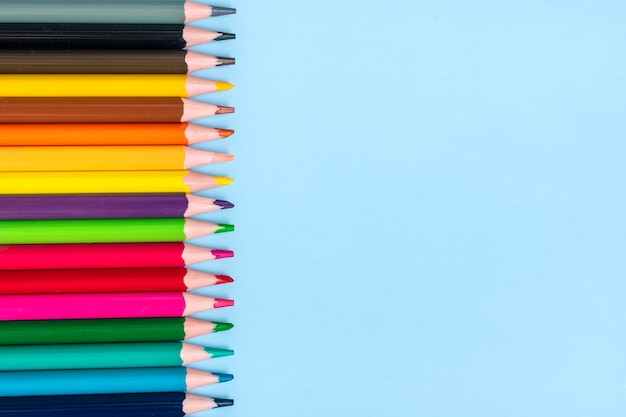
x=106 y=381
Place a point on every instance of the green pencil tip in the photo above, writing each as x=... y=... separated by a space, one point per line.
x=225 y=228
x=218 y=353
x=222 y=327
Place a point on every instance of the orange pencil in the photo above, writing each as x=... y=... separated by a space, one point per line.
x=23 y=134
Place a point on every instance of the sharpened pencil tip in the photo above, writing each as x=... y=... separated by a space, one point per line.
x=226 y=133
x=225 y=110
x=221 y=60
x=221 y=303
x=222 y=327
x=218 y=353
x=225 y=228
x=222 y=11
x=222 y=253
x=223 y=86
x=224 y=279
x=223 y=402
x=224 y=377
x=223 y=204
x=223 y=181
x=225 y=36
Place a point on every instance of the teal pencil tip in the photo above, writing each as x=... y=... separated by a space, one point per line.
x=224 y=377
x=218 y=353
x=225 y=228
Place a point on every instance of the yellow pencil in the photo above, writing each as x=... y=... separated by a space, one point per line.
x=106 y=158
x=85 y=182
x=107 y=85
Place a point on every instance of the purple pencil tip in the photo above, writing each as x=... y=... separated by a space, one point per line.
x=224 y=204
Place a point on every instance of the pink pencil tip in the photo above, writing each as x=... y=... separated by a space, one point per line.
x=222 y=253
x=221 y=303
x=224 y=279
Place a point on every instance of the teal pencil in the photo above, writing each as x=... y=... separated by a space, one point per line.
x=106 y=381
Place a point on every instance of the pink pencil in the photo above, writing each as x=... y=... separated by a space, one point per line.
x=105 y=305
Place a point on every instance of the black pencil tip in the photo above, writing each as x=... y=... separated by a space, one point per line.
x=225 y=61
x=225 y=36
x=222 y=402
x=222 y=11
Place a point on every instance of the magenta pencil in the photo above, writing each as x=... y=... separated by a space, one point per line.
x=105 y=305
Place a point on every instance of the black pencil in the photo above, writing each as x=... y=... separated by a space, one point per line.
x=104 y=36
x=160 y=404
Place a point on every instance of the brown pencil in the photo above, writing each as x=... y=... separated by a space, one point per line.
x=105 y=109
x=46 y=61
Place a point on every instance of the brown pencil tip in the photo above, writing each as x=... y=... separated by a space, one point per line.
x=225 y=133
x=224 y=110
x=221 y=60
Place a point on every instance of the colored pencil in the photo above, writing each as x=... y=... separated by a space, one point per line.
x=105 y=305
x=160 y=404
x=107 y=280
x=107 y=11
x=58 y=134
x=64 y=182
x=44 y=61
x=107 y=230
x=106 y=158
x=105 y=381
x=105 y=110
x=107 y=85
x=106 y=206
x=155 y=329
x=104 y=355
x=106 y=255
x=104 y=36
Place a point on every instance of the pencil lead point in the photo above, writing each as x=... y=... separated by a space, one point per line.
x=222 y=327
x=224 y=36
x=221 y=303
x=223 y=204
x=225 y=110
x=218 y=353
x=223 y=86
x=223 y=402
x=221 y=60
x=221 y=253
x=226 y=133
x=224 y=377
x=223 y=181
x=224 y=279
x=224 y=228
x=222 y=11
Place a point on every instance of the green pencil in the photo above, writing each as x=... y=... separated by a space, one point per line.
x=106 y=230
x=104 y=355
x=35 y=332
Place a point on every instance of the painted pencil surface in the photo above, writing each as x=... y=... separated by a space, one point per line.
x=106 y=158
x=76 y=61
x=107 y=11
x=106 y=255
x=107 y=230
x=64 y=182
x=106 y=110
x=105 y=355
x=104 y=36
x=106 y=280
x=105 y=381
x=58 y=134
x=105 y=305
x=155 y=329
x=107 y=85
x=106 y=206
x=160 y=404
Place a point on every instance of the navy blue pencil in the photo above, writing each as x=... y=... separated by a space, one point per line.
x=160 y=404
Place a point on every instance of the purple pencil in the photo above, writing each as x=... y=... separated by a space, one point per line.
x=97 y=206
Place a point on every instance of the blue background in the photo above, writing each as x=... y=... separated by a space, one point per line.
x=430 y=208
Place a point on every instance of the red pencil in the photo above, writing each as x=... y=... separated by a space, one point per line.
x=84 y=281
x=106 y=255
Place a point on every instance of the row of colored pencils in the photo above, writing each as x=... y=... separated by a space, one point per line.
x=98 y=124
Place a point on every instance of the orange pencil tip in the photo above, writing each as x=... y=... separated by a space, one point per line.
x=225 y=133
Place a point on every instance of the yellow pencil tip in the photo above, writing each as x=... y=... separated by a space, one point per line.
x=223 y=181
x=223 y=86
